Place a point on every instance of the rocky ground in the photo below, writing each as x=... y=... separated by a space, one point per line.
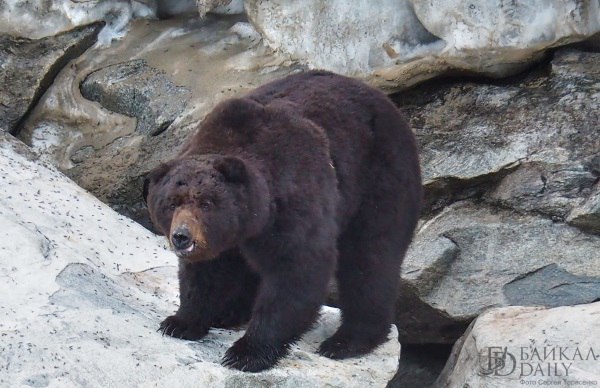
x=103 y=92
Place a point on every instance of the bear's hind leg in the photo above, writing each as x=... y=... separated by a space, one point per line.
x=371 y=251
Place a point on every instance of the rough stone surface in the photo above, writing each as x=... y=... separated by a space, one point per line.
x=499 y=258
x=395 y=44
x=524 y=157
x=525 y=346
x=226 y=7
x=137 y=90
x=507 y=24
x=28 y=67
x=544 y=127
x=84 y=290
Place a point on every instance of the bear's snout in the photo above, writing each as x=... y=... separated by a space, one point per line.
x=187 y=235
x=182 y=238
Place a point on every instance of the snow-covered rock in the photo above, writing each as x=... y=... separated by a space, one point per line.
x=397 y=43
x=37 y=19
x=84 y=289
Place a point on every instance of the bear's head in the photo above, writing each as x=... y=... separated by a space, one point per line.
x=207 y=204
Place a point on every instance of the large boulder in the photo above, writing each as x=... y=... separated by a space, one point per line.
x=84 y=290
x=511 y=178
x=395 y=44
x=137 y=90
x=528 y=346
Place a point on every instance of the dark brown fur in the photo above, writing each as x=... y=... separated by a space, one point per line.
x=308 y=176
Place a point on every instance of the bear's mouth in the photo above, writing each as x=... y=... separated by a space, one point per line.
x=195 y=252
x=186 y=251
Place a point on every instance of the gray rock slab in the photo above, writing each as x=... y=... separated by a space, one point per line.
x=552 y=286
x=137 y=90
x=28 y=67
x=84 y=290
x=499 y=258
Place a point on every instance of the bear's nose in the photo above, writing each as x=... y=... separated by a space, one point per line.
x=181 y=238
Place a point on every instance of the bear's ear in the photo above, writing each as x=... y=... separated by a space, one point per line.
x=154 y=176
x=239 y=112
x=233 y=169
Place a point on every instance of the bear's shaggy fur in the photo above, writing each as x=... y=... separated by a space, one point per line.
x=309 y=176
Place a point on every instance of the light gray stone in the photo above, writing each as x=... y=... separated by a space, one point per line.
x=525 y=346
x=40 y=19
x=355 y=40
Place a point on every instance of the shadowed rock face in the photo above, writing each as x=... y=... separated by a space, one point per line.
x=135 y=89
x=30 y=66
x=511 y=179
x=543 y=129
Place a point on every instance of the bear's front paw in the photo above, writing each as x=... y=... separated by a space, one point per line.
x=248 y=357
x=177 y=327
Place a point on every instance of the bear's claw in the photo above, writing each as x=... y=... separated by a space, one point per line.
x=248 y=357
x=174 y=326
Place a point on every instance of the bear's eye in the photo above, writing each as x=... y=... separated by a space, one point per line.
x=206 y=204
x=172 y=206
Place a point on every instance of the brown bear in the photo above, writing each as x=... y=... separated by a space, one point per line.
x=309 y=176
